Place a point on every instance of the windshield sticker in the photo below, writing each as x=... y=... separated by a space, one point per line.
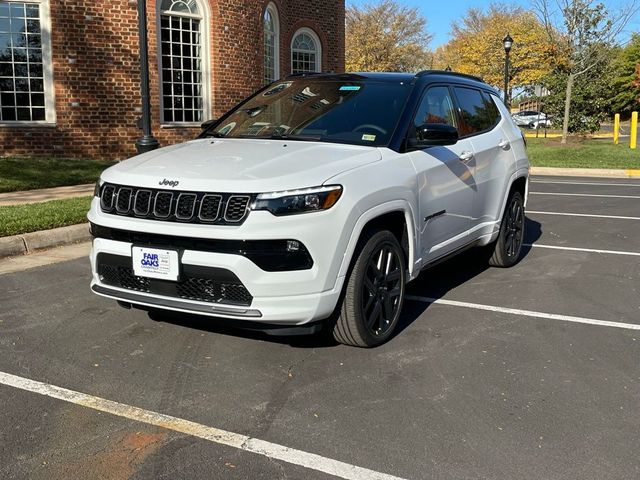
x=349 y=88
x=368 y=137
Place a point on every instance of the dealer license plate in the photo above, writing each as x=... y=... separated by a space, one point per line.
x=155 y=263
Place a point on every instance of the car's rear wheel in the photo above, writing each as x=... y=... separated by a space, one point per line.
x=505 y=251
x=374 y=292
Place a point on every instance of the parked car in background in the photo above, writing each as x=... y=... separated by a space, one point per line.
x=312 y=203
x=529 y=118
x=542 y=123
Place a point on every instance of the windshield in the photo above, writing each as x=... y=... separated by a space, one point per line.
x=357 y=112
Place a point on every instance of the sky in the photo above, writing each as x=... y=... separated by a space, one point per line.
x=440 y=15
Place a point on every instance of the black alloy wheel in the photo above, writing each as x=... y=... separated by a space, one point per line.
x=515 y=228
x=381 y=290
x=505 y=251
x=373 y=293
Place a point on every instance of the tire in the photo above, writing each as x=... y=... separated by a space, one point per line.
x=374 y=292
x=505 y=251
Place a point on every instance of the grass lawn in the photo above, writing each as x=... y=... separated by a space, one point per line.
x=17 y=219
x=584 y=153
x=32 y=173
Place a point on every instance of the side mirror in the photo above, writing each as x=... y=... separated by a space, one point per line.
x=431 y=134
x=208 y=123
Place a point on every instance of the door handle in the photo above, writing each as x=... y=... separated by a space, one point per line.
x=504 y=144
x=465 y=156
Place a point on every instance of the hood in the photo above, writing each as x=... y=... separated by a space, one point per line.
x=240 y=165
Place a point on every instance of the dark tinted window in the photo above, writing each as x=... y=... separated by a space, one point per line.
x=436 y=107
x=478 y=111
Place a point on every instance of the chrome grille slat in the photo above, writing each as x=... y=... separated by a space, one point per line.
x=175 y=206
x=123 y=200
x=236 y=208
x=162 y=205
x=186 y=206
x=142 y=202
x=210 y=208
x=107 y=197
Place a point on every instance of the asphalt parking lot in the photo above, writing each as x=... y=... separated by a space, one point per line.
x=530 y=372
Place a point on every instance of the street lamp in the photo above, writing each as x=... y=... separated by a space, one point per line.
x=507 y=42
x=147 y=142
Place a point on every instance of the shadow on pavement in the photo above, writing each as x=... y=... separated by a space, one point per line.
x=433 y=283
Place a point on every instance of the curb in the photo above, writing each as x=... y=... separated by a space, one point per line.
x=29 y=242
x=585 y=172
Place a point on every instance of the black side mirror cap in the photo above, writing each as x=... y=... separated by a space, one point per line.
x=432 y=134
x=208 y=123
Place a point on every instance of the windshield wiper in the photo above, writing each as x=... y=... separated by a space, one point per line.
x=214 y=134
x=304 y=138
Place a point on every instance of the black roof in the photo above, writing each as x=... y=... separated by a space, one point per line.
x=389 y=76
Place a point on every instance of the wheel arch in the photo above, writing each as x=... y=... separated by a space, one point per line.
x=396 y=216
x=519 y=181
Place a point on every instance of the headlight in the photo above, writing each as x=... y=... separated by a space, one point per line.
x=292 y=202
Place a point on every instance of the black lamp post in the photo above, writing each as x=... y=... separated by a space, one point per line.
x=507 y=42
x=147 y=142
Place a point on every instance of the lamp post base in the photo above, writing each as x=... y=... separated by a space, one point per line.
x=146 y=144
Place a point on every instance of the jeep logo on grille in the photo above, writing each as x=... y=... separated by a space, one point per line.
x=169 y=183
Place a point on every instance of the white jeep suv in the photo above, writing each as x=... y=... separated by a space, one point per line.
x=314 y=202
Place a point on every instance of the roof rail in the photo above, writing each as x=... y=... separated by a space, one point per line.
x=448 y=72
x=303 y=74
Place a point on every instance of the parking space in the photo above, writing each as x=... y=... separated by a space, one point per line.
x=471 y=387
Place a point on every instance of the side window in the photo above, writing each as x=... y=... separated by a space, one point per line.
x=436 y=107
x=478 y=112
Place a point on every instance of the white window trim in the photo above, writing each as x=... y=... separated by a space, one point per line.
x=273 y=10
x=47 y=66
x=206 y=68
x=316 y=39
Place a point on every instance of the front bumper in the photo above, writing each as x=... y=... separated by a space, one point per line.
x=296 y=297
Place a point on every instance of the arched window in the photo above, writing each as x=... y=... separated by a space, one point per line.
x=306 y=52
x=183 y=87
x=271 y=44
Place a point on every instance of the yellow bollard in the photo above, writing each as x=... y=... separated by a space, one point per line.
x=634 y=130
x=616 y=128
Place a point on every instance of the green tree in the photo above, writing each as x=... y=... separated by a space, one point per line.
x=386 y=37
x=590 y=98
x=626 y=87
x=584 y=33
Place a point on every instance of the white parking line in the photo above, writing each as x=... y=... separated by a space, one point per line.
x=211 y=434
x=583 y=195
x=567 y=214
x=588 y=183
x=578 y=249
x=526 y=313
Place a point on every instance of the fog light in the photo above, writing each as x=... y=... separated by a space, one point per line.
x=293 y=245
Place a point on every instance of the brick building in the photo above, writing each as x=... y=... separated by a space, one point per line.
x=69 y=69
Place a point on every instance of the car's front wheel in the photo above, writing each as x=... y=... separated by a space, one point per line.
x=374 y=292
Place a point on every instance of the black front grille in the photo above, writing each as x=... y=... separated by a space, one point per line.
x=210 y=208
x=202 y=284
x=186 y=206
x=236 y=208
x=162 y=205
x=123 y=202
x=142 y=202
x=192 y=207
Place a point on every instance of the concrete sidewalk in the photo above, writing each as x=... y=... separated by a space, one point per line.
x=45 y=194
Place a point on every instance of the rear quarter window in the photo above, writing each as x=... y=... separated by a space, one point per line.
x=478 y=112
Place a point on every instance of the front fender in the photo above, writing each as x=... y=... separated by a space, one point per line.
x=388 y=207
